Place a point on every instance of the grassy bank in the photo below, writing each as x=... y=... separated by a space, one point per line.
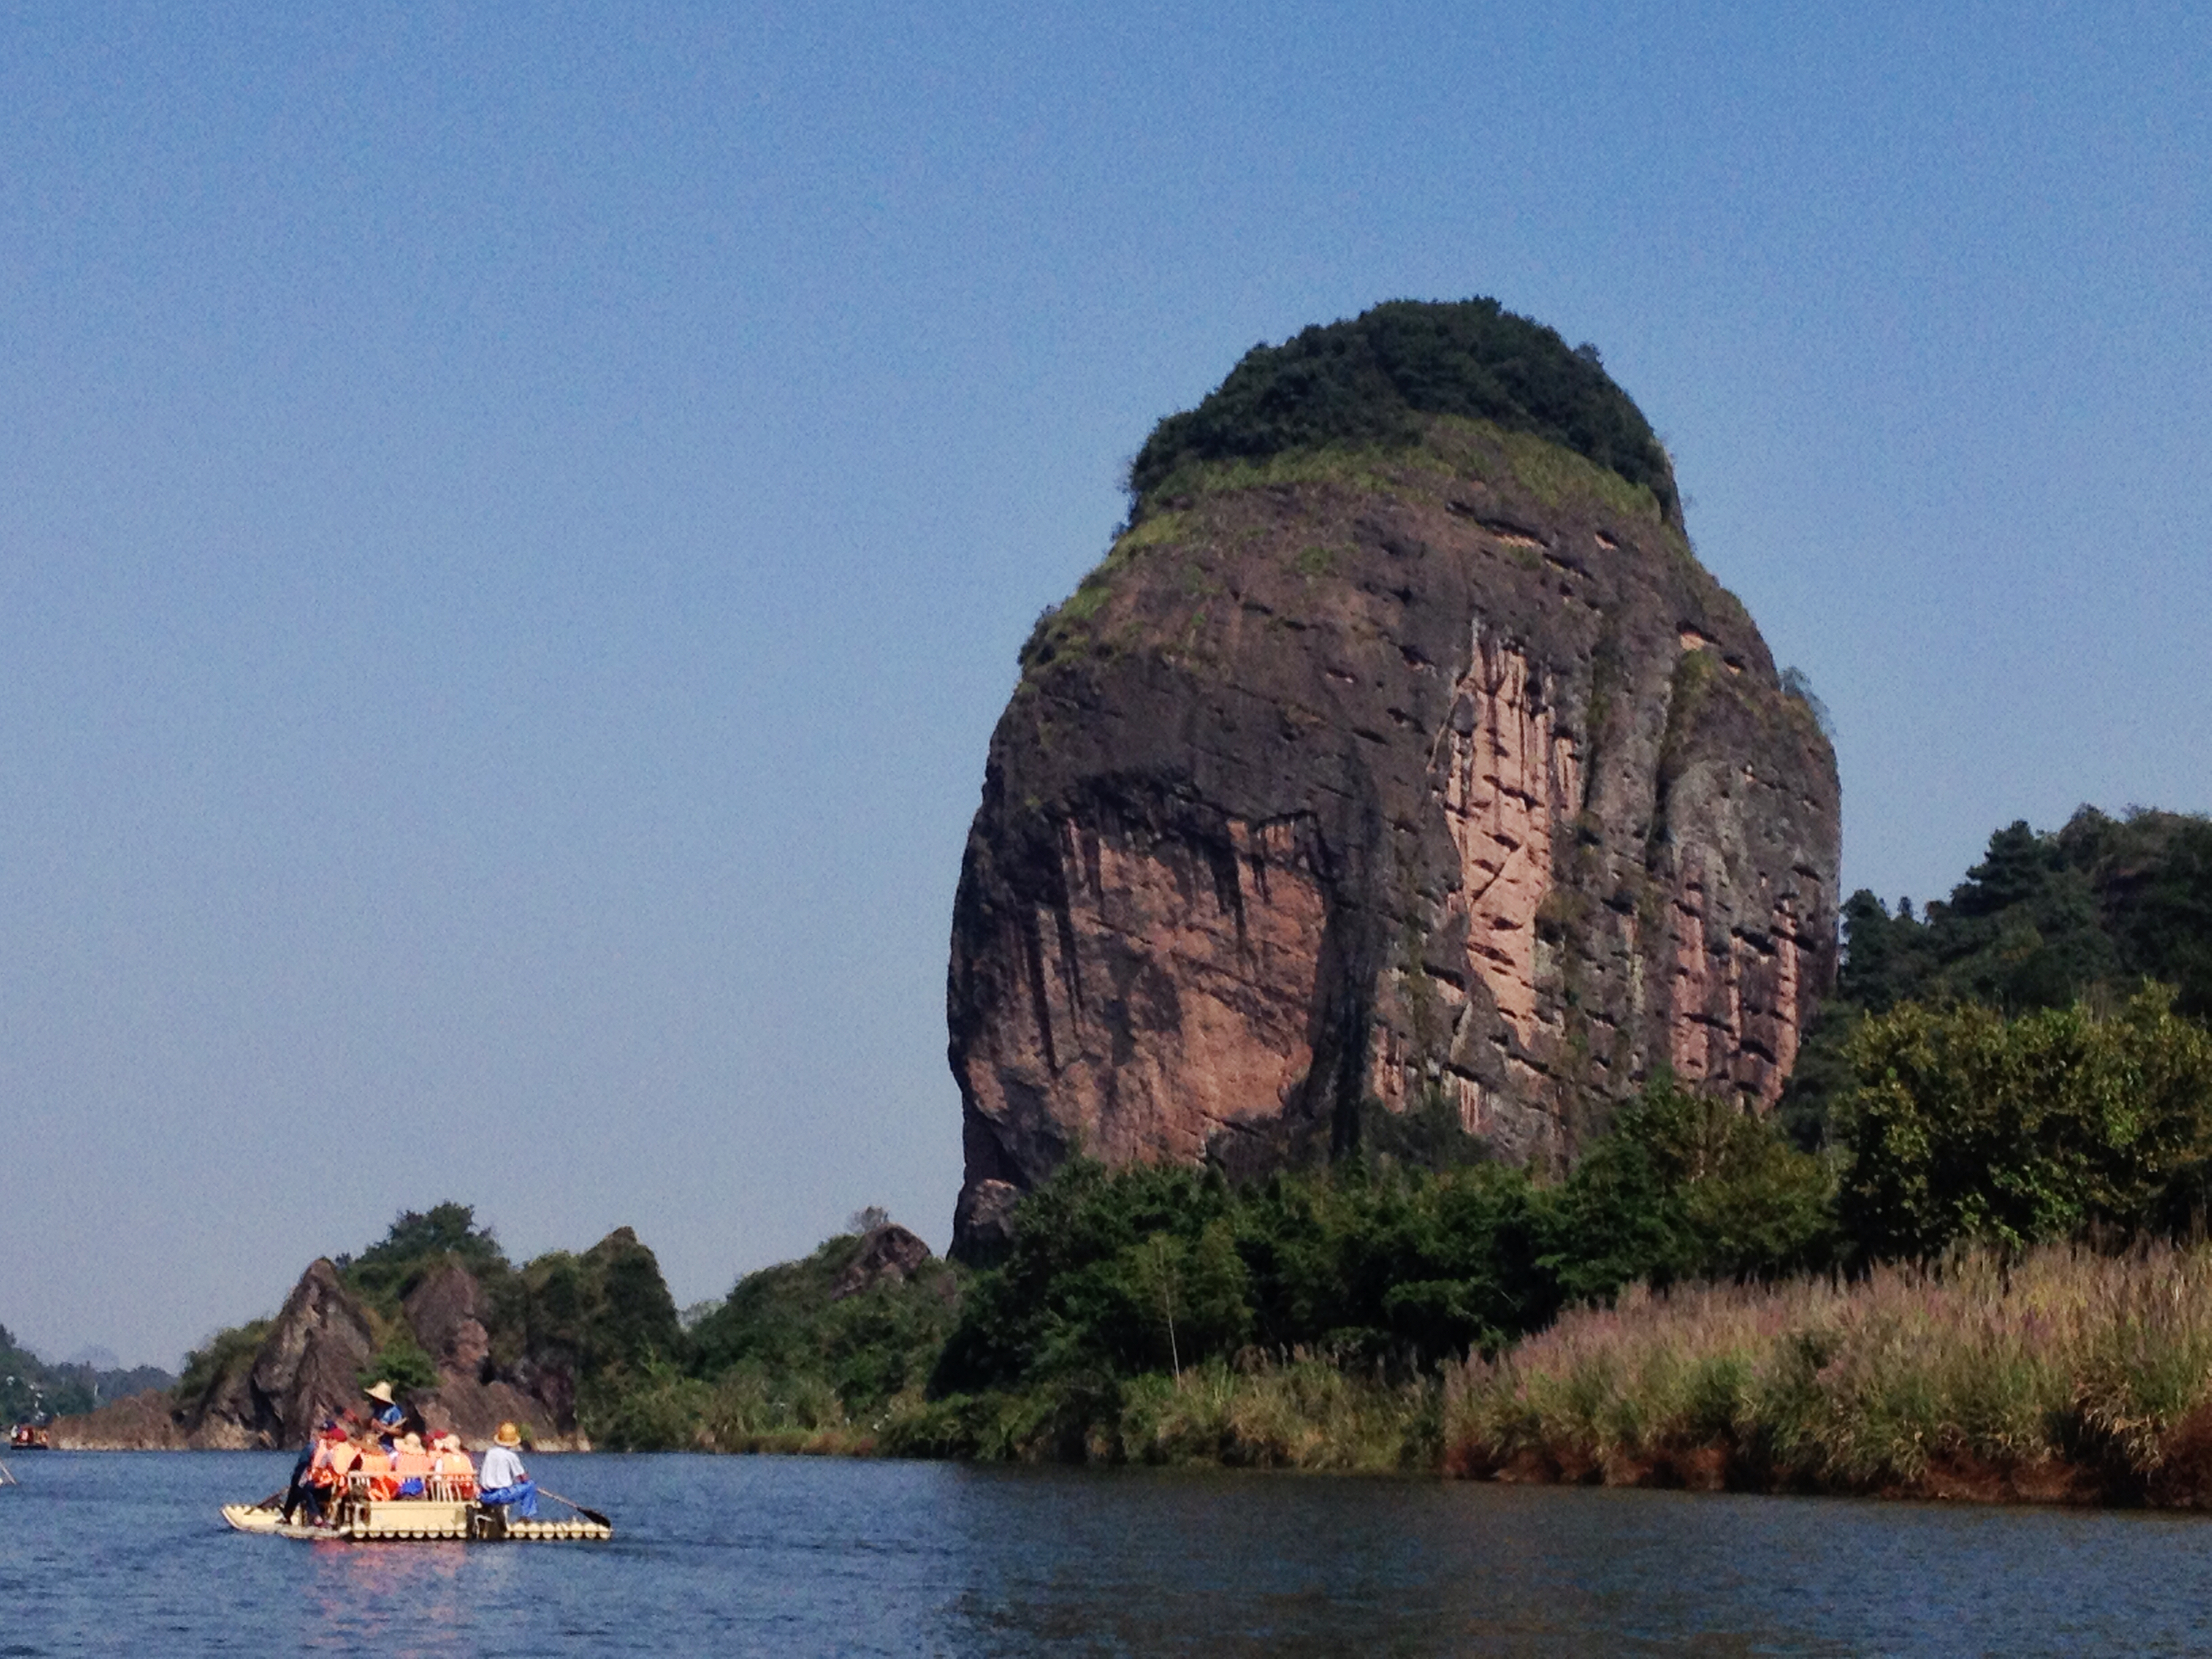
x=1300 y=1412
x=2071 y=1376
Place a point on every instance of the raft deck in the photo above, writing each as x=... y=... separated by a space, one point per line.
x=365 y=1521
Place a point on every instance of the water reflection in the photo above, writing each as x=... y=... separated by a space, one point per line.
x=389 y=1599
x=777 y=1556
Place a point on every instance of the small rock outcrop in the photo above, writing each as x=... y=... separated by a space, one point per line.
x=148 y=1421
x=1397 y=767
x=448 y=1315
x=305 y=1369
x=889 y=1254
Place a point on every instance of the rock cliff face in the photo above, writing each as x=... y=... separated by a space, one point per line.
x=308 y=1367
x=1433 y=781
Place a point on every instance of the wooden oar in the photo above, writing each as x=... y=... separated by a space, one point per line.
x=588 y=1514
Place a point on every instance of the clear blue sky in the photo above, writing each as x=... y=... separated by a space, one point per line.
x=515 y=524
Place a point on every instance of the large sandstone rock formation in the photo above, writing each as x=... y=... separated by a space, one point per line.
x=1366 y=783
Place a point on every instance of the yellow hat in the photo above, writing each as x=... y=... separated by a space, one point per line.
x=508 y=1434
x=382 y=1393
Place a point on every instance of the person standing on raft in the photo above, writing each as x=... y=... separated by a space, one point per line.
x=502 y=1479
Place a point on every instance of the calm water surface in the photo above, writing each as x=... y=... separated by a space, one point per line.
x=104 y=1553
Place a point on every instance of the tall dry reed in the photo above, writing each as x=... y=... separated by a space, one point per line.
x=2066 y=1358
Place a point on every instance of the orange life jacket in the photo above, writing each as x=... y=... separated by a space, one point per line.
x=378 y=1467
x=458 y=1472
x=334 y=1467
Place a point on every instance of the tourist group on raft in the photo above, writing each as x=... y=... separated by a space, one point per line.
x=387 y=1457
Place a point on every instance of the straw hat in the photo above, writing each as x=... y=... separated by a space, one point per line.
x=381 y=1394
x=508 y=1434
x=410 y=1442
x=449 y=1442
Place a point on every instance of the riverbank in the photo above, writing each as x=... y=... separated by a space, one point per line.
x=2069 y=1377
x=2066 y=1378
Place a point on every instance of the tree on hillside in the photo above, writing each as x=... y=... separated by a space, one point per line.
x=418 y=1242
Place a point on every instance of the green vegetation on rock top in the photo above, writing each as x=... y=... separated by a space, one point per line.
x=1366 y=380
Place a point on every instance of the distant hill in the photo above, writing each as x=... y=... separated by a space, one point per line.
x=31 y=1387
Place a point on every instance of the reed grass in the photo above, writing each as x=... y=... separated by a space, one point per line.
x=2064 y=1360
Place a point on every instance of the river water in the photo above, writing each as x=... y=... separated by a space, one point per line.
x=120 y=1553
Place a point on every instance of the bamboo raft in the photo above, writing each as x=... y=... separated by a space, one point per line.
x=419 y=1520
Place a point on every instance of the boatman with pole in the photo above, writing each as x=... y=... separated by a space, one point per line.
x=502 y=1479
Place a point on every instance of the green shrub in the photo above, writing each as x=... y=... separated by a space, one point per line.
x=655 y=1407
x=418 y=1242
x=223 y=1356
x=1146 y=1270
x=1966 y=1126
x=789 y=1332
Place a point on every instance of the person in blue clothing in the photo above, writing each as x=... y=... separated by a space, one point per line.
x=502 y=1481
x=390 y=1415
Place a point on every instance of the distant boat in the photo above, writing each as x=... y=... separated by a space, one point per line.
x=30 y=1437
